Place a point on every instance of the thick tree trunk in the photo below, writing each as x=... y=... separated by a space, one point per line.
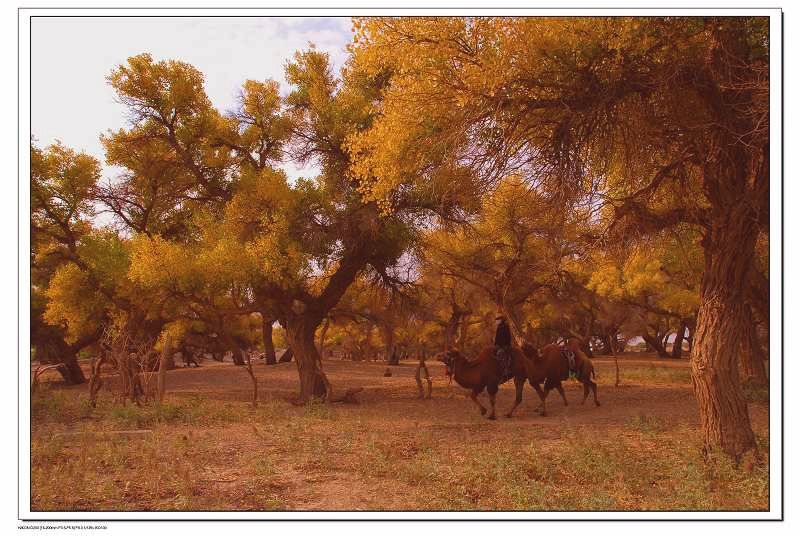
x=300 y=333
x=722 y=322
x=266 y=334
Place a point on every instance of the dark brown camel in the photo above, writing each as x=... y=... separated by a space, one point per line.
x=484 y=373
x=549 y=366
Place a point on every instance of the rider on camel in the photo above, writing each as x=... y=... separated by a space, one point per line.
x=502 y=343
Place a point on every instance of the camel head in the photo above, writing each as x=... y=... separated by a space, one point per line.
x=449 y=357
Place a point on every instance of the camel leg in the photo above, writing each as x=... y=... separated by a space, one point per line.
x=543 y=411
x=492 y=390
x=548 y=386
x=561 y=392
x=474 y=397
x=594 y=391
x=585 y=392
x=519 y=383
x=539 y=391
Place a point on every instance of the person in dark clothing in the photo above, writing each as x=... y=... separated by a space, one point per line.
x=502 y=336
x=502 y=344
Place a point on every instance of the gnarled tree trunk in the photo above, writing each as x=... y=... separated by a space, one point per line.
x=735 y=171
x=300 y=333
x=721 y=324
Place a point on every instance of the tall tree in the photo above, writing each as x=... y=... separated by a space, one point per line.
x=286 y=249
x=665 y=119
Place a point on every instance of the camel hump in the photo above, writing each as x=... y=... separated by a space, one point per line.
x=485 y=354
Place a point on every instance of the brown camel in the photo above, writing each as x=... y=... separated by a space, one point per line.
x=484 y=373
x=550 y=366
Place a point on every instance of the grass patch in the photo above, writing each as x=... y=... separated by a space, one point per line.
x=206 y=454
x=69 y=408
x=319 y=410
x=646 y=424
x=647 y=374
x=648 y=472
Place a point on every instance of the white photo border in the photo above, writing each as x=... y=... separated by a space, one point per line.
x=776 y=270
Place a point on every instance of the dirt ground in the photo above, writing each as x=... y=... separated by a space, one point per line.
x=638 y=451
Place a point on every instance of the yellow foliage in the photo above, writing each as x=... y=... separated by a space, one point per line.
x=73 y=302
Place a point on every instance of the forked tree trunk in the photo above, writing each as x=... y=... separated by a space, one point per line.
x=266 y=333
x=721 y=323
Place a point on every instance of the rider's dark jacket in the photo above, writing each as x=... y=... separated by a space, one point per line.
x=502 y=336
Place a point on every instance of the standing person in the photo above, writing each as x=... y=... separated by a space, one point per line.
x=502 y=344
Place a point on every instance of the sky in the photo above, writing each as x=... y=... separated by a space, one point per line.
x=71 y=57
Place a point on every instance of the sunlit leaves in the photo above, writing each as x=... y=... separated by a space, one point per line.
x=73 y=302
x=62 y=183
